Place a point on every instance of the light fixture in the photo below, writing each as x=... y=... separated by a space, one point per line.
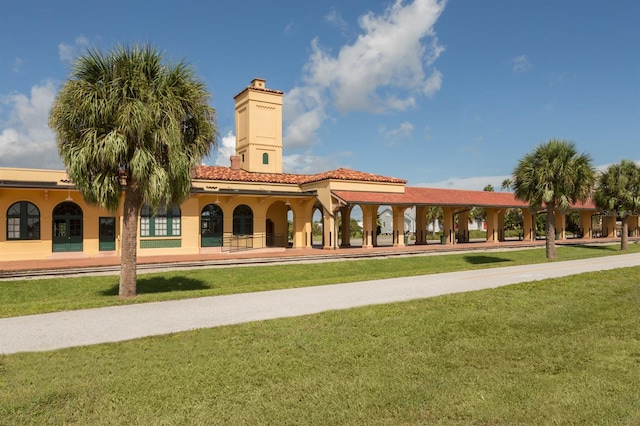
x=287 y=203
x=217 y=201
x=68 y=196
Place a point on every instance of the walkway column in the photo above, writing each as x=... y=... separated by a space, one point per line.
x=492 y=225
x=633 y=225
x=463 y=226
x=368 y=225
x=398 y=225
x=302 y=219
x=585 y=224
x=345 y=226
x=609 y=226
x=561 y=225
x=447 y=213
x=421 y=225
x=329 y=230
x=501 y=215
x=528 y=225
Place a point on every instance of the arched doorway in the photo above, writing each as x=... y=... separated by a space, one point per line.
x=67 y=227
x=243 y=220
x=211 y=225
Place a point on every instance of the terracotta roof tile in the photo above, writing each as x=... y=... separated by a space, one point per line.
x=227 y=174
x=440 y=197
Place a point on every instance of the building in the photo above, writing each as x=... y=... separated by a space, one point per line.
x=247 y=205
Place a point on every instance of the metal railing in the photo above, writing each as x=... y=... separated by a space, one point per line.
x=235 y=243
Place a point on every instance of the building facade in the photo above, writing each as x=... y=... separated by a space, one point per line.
x=247 y=205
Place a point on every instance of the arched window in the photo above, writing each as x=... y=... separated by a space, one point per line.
x=265 y=158
x=165 y=223
x=242 y=220
x=23 y=221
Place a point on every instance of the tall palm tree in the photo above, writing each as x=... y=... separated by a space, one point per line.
x=131 y=127
x=618 y=192
x=553 y=174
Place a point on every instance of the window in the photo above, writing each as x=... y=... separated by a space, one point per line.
x=23 y=221
x=165 y=223
x=242 y=220
x=265 y=158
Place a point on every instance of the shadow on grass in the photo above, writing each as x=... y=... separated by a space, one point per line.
x=160 y=284
x=482 y=259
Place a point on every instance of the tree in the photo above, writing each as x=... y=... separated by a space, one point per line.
x=618 y=193
x=434 y=214
x=130 y=127
x=506 y=184
x=553 y=174
x=488 y=188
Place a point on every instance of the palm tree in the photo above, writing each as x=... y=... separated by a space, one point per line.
x=555 y=175
x=618 y=192
x=506 y=184
x=128 y=123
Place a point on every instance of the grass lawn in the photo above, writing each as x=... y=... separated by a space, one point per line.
x=562 y=351
x=50 y=295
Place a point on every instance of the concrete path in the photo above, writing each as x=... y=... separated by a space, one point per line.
x=91 y=326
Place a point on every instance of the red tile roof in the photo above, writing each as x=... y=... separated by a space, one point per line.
x=440 y=197
x=259 y=89
x=220 y=173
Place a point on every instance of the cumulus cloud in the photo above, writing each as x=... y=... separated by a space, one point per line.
x=226 y=148
x=387 y=68
x=308 y=163
x=405 y=130
x=472 y=183
x=521 y=64
x=25 y=137
x=69 y=52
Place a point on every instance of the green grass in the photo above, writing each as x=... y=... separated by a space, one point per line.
x=51 y=295
x=562 y=351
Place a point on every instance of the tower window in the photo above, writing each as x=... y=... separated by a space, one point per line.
x=265 y=158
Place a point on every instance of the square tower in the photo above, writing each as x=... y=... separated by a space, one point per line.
x=259 y=128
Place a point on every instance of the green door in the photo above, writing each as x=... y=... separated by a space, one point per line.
x=211 y=221
x=67 y=227
x=107 y=234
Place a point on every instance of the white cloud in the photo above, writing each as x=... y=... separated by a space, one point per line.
x=17 y=65
x=521 y=64
x=471 y=183
x=69 y=52
x=25 y=137
x=335 y=19
x=386 y=68
x=308 y=163
x=226 y=149
x=405 y=130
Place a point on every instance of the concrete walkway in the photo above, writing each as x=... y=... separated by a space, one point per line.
x=91 y=326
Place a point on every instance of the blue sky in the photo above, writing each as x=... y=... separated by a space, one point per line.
x=446 y=94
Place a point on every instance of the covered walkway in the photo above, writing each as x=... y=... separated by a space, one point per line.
x=456 y=206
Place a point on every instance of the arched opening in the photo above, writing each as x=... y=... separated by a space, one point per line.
x=67 y=227
x=290 y=219
x=242 y=220
x=211 y=226
x=317 y=227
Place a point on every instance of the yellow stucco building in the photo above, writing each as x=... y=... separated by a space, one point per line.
x=247 y=205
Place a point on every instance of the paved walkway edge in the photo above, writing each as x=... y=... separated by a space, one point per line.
x=51 y=331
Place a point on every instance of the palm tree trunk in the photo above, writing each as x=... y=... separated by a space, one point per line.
x=624 y=240
x=128 y=256
x=551 y=232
